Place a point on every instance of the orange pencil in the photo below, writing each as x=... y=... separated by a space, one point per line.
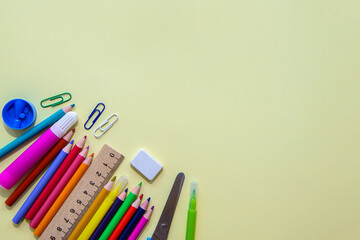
x=63 y=195
x=125 y=220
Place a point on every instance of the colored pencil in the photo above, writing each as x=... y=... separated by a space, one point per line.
x=42 y=183
x=120 y=213
x=35 y=130
x=134 y=220
x=59 y=187
x=125 y=219
x=55 y=179
x=141 y=225
x=104 y=207
x=92 y=209
x=108 y=216
x=63 y=195
x=39 y=168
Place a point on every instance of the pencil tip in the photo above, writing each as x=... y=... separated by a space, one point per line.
x=85 y=136
x=73 y=130
x=152 y=208
x=140 y=183
x=113 y=178
x=72 y=142
x=91 y=155
x=141 y=196
x=72 y=105
x=126 y=190
x=149 y=199
x=87 y=147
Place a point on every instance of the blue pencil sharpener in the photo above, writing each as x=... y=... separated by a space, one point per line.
x=19 y=114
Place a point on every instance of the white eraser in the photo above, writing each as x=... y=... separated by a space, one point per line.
x=146 y=165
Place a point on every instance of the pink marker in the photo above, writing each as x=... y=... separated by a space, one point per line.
x=59 y=187
x=17 y=169
x=141 y=225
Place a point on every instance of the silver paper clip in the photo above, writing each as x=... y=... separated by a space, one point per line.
x=96 y=110
x=106 y=122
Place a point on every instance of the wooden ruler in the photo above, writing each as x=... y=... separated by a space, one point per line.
x=98 y=174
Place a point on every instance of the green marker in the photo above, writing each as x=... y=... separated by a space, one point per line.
x=191 y=219
x=120 y=213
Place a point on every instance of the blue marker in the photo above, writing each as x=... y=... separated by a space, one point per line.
x=42 y=183
x=35 y=130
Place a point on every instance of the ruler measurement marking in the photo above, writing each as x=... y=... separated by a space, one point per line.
x=85 y=192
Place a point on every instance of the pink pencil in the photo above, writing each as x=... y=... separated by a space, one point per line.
x=55 y=179
x=141 y=225
x=59 y=187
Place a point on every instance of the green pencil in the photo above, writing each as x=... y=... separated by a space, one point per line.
x=191 y=220
x=120 y=213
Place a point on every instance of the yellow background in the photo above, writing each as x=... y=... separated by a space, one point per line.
x=257 y=100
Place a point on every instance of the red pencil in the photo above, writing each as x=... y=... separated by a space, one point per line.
x=39 y=168
x=55 y=179
x=125 y=220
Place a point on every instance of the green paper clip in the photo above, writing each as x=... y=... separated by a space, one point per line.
x=51 y=100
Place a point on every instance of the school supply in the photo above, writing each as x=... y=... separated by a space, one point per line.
x=17 y=169
x=162 y=229
x=146 y=165
x=109 y=215
x=63 y=195
x=39 y=168
x=104 y=207
x=125 y=219
x=59 y=187
x=92 y=209
x=142 y=223
x=191 y=219
x=79 y=200
x=19 y=114
x=59 y=97
x=55 y=179
x=42 y=183
x=134 y=220
x=96 y=110
x=35 y=130
x=107 y=124
x=120 y=213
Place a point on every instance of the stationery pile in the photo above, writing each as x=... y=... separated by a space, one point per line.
x=76 y=197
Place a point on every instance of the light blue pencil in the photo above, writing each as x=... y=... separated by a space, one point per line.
x=42 y=183
x=35 y=130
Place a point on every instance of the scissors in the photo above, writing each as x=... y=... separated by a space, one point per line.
x=162 y=229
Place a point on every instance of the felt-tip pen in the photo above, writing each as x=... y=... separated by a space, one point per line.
x=191 y=219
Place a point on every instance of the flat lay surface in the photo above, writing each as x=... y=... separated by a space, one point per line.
x=256 y=101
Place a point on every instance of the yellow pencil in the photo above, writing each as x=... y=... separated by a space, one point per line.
x=91 y=211
x=100 y=213
x=62 y=196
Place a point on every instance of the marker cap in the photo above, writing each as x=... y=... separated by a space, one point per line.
x=194 y=190
x=61 y=127
x=122 y=182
